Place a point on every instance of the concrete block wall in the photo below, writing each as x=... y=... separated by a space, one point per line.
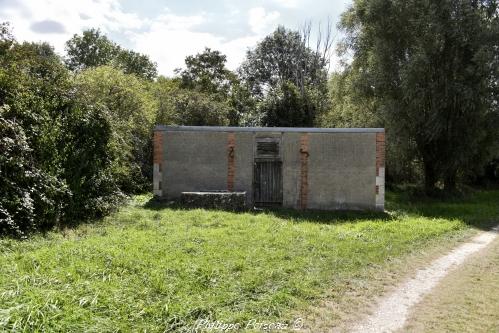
x=341 y=170
x=334 y=169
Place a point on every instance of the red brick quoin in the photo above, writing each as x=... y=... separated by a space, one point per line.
x=231 y=161
x=158 y=160
x=380 y=151
x=304 y=171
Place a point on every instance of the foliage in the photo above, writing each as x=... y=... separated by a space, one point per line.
x=431 y=70
x=206 y=73
x=157 y=268
x=89 y=163
x=280 y=60
x=178 y=106
x=348 y=107
x=286 y=107
x=58 y=162
x=31 y=199
x=130 y=108
x=93 y=49
x=6 y=38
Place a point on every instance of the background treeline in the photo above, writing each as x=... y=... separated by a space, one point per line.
x=75 y=131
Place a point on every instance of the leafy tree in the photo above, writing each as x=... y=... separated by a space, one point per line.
x=93 y=49
x=59 y=162
x=179 y=106
x=33 y=85
x=431 y=68
x=90 y=161
x=283 y=59
x=285 y=106
x=6 y=38
x=130 y=108
x=206 y=72
x=349 y=108
x=132 y=62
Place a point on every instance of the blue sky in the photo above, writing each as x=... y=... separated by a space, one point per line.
x=167 y=31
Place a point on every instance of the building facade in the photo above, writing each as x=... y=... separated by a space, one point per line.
x=302 y=168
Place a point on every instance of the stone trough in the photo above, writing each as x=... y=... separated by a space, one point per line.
x=232 y=201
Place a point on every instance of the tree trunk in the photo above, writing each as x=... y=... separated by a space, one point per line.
x=430 y=178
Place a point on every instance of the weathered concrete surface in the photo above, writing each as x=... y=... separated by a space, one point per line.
x=194 y=162
x=244 y=165
x=233 y=201
x=342 y=171
x=291 y=169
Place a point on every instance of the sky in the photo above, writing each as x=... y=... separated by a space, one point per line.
x=168 y=31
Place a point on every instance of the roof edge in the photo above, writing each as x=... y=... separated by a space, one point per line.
x=265 y=129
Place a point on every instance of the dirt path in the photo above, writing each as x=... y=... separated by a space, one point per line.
x=392 y=310
x=465 y=301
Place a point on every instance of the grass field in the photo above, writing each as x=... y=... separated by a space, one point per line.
x=154 y=268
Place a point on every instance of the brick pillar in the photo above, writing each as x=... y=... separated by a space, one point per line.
x=158 y=163
x=231 y=161
x=380 y=171
x=304 y=171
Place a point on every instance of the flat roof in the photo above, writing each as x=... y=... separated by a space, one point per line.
x=265 y=129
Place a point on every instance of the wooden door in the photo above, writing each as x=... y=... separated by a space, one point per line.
x=268 y=183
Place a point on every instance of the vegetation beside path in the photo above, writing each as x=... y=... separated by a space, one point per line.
x=467 y=300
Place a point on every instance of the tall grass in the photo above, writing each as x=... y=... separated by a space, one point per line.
x=156 y=268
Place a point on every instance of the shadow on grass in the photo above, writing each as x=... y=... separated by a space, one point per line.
x=317 y=216
x=478 y=208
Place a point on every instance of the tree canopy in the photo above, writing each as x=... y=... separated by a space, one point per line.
x=283 y=66
x=93 y=49
x=431 y=69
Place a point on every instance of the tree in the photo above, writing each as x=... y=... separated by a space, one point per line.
x=206 y=72
x=61 y=151
x=132 y=62
x=93 y=49
x=130 y=109
x=179 y=106
x=31 y=198
x=430 y=67
x=6 y=38
x=282 y=59
x=285 y=106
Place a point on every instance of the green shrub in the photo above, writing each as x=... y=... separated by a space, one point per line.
x=130 y=108
x=31 y=198
x=180 y=106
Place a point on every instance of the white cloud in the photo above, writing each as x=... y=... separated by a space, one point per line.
x=72 y=16
x=259 y=20
x=170 y=38
x=288 y=3
x=165 y=36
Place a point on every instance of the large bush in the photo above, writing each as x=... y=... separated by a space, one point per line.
x=31 y=198
x=63 y=152
x=179 y=106
x=130 y=108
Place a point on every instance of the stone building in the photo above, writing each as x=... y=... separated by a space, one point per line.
x=303 y=168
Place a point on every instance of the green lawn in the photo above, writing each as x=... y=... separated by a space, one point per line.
x=152 y=268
